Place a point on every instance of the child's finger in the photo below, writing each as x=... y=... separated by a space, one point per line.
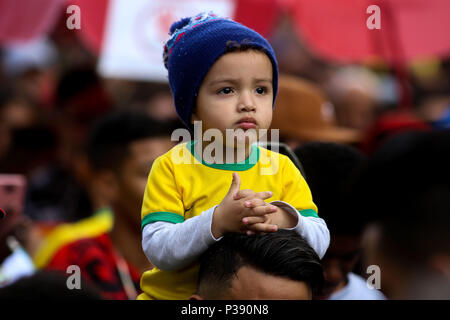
x=263 y=227
x=235 y=184
x=244 y=194
x=253 y=220
x=262 y=210
x=264 y=195
x=254 y=203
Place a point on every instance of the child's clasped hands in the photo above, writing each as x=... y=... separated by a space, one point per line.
x=246 y=211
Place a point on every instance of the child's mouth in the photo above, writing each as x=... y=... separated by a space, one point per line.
x=247 y=123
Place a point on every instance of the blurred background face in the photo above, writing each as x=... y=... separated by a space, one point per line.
x=356 y=109
x=18 y=113
x=161 y=107
x=417 y=278
x=340 y=259
x=394 y=277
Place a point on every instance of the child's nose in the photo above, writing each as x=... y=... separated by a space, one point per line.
x=246 y=102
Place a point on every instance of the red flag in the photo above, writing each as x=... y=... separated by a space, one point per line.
x=93 y=17
x=338 y=30
x=25 y=20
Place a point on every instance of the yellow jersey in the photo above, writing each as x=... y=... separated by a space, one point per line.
x=181 y=186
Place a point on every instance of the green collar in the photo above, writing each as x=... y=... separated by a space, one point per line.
x=237 y=166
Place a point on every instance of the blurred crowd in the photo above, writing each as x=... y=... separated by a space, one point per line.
x=76 y=149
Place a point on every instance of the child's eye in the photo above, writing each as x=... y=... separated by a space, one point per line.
x=261 y=90
x=226 y=90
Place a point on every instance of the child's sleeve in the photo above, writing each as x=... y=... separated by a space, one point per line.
x=170 y=246
x=297 y=200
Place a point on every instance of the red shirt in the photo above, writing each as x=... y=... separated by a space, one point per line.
x=99 y=265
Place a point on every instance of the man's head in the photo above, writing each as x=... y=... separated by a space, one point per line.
x=405 y=190
x=81 y=100
x=330 y=169
x=278 y=265
x=198 y=43
x=121 y=150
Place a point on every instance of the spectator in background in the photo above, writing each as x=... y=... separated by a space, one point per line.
x=121 y=149
x=81 y=100
x=58 y=192
x=356 y=93
x=31 y=67
x=279 y=265
x=433 y=104
x=27 y=142
x=330 y=169
x=390 y=124
x=303 y=114
x=19 y=237
x=161 y=107
x=17 y=110
x=405 y=190
x=155 y=99
x=431 y=91
x=294 y=55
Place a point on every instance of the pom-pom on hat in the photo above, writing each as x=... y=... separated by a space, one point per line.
x=194 y=45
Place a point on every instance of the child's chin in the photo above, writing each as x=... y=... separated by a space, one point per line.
x=243 y=141
x=243 y=138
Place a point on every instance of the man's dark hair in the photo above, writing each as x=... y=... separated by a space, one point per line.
x=406 y=190
x=330 y=170
x=112 y=135
x=47 y=286
x=283 y=253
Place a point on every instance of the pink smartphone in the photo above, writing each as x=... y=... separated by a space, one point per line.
x=12 y=199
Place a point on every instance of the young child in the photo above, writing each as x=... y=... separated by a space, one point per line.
x=226 y=76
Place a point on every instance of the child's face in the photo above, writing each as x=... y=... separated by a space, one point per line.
x=236 y=93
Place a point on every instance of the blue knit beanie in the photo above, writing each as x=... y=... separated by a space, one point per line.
x=194 y=45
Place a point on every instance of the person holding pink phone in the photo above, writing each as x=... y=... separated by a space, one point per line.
x=15 y=231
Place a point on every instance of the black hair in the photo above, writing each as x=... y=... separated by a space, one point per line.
x=234 y=46
x=112 y=135
x=47 y=285
x=405 y=189
x=74 y=81
x=30 y=147
x=81 y=97
x=283 y=253
x=330 y=170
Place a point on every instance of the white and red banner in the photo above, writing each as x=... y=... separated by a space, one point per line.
x=135 y=31
x=134 y=37
x=128 y=35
